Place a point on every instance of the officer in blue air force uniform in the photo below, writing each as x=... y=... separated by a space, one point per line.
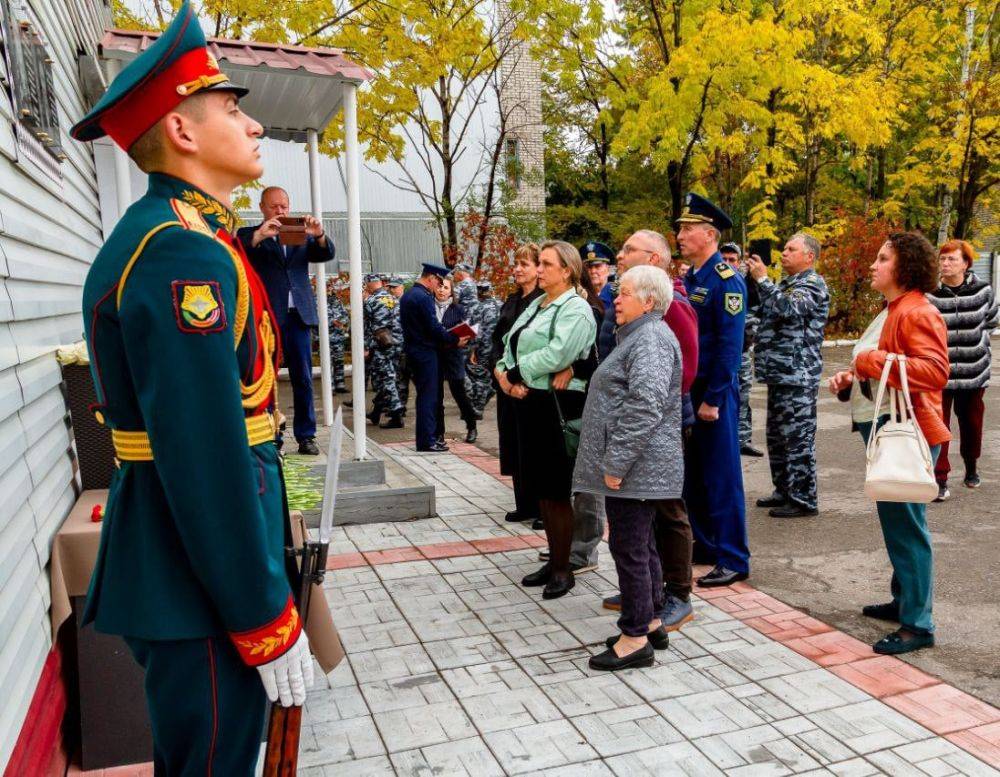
x=423 y=338
x=713 y=482
x=191 y=568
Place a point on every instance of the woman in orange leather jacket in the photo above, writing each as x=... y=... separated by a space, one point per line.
x=904 y=270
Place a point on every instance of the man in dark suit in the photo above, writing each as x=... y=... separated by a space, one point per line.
x=285 y=272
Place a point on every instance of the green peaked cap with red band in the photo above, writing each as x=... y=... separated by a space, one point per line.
x=172 y=69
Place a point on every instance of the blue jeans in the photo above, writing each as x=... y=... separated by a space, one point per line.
x=908 y=542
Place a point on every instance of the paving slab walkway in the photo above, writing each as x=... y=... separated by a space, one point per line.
x=454 y=669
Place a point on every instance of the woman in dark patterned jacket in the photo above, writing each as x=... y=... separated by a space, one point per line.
x=970 y=312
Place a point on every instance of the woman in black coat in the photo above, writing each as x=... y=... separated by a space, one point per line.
x=451 y=365
x=526 y=278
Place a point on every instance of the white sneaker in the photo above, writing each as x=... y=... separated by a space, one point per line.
x=543 y=554
x=943 y=494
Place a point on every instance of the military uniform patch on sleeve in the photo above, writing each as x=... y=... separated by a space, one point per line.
x=733 y=303
x=724 y=270
x=198 y=306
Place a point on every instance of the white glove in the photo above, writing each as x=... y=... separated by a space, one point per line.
x=288 y=676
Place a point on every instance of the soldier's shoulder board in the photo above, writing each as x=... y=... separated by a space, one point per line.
x=191 y=218
x=724 y=270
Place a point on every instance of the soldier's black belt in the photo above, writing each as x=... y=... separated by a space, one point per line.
x=134 y=446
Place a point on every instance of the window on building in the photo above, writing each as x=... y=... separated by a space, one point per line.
x=513 y=163
x=30 y=88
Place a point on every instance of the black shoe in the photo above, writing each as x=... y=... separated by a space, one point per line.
x=394 y=421
x=538 y=524
x=749 y=450
x=472 y=435
x=513 y=517
x=341 y=389
x=895 y=643
x=883 y=612
x=558 y=586
x=775 y=500
x=438 y=447
x=972 y=481
x=608 y=661
x=721 y=576
x=374 y=417
x=538 y=577
x=308 y=447
x=658 y=638
x=792 y=510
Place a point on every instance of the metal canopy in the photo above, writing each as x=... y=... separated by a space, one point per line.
x=293 y=89
x=295 y=92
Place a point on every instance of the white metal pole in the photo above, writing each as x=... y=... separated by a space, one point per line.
x=324 y=324
x=123 y=182
x=354 y=257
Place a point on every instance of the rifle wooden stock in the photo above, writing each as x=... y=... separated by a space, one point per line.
x=281 y=758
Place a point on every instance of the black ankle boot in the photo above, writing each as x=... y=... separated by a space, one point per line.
x=540 y=577
x=559 y=585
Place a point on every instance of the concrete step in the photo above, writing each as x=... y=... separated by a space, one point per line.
x=371 y=490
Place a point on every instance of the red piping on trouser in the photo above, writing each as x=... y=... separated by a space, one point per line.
x=215 y=707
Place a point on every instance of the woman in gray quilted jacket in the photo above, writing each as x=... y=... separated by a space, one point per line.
x=630 y=452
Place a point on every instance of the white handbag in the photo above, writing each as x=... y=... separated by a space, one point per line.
x=900 y=467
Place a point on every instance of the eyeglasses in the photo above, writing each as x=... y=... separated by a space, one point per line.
x=627 y=249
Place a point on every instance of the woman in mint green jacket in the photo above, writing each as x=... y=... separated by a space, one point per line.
x=552 y=333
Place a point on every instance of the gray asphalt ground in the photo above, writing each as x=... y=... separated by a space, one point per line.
x=832 y=565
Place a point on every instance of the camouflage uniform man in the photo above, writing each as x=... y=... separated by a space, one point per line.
x=464 y=292
x=732 y=254
x=340 y=324
x=789 y=361
x=381 y=345
x=479 y=369
x=396 y=289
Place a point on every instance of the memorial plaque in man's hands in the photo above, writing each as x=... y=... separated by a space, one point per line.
x=292 y=231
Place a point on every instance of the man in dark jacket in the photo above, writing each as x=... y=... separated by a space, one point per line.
x=970 y=313
x=284 y=270
x=423 y=336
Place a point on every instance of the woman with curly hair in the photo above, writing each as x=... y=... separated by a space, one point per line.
x=905 y=269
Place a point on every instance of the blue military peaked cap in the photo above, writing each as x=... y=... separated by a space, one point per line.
x=595 y=253
x=172 y=69
x=698 y=210
x=435 y=269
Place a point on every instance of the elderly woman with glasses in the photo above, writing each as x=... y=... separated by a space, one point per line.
x=630 y=452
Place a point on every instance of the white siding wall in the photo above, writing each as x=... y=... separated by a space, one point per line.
x=49 y=234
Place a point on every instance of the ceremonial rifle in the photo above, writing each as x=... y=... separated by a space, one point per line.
x=285 y=726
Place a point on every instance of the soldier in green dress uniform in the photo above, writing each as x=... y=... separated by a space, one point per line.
x=191 y=569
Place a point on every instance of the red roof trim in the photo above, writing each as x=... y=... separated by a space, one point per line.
x=315 y=60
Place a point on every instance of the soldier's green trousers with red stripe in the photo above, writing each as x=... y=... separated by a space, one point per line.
x=205 y=705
